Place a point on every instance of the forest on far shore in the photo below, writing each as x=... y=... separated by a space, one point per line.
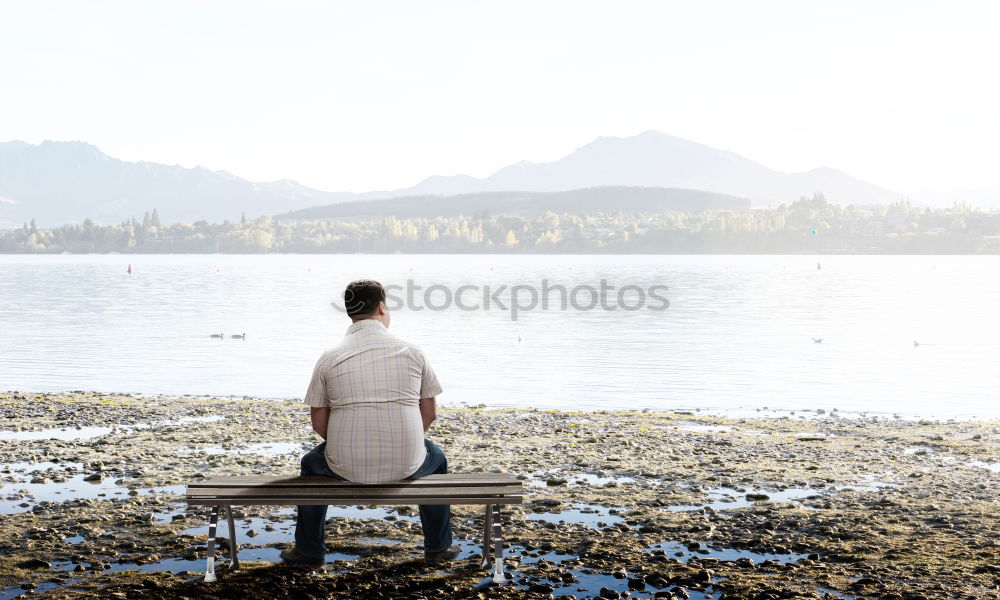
x=807 y=226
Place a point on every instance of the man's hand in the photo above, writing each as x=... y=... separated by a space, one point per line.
x=428 y=411
x=321 y=420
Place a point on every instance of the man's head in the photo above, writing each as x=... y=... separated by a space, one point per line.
x=365 y=299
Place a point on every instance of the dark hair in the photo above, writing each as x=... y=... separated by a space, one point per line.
x=362 y=297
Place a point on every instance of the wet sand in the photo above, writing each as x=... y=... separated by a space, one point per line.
x=619 y=505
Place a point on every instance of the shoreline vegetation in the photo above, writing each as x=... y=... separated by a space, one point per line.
x=619 y=505
x=808 y=226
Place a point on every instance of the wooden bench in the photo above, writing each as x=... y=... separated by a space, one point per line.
x=489 y=489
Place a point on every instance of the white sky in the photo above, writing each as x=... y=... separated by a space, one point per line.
x=376 y=95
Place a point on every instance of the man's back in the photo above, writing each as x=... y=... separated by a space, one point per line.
x=372 y=397
x=372 y=381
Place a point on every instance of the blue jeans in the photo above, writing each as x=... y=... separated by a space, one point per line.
x=435 y=519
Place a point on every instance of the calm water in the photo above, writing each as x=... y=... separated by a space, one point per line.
x=737 y=335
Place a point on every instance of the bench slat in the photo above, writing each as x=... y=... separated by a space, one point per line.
x=478 y=475
x=326 y=482
x=355 y=501
x=453 y=488
x=348 y=493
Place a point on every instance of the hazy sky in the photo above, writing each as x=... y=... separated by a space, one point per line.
x=377 y=95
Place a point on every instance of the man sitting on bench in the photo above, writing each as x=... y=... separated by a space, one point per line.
x=372 y=397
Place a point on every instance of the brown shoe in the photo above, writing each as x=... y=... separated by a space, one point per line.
x=291 y=556
x=440 y=556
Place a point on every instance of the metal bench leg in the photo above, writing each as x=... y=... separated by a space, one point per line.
x=210 y=562
x=498 y=576
x=487 y=526
x=234 y=558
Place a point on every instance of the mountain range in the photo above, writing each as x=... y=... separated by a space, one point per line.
x=582 y=201
x=655 y=159
x=65 y=182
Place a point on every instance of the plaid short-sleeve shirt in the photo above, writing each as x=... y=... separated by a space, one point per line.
x=373 y=382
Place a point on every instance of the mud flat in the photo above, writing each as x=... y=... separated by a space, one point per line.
x=620 y=505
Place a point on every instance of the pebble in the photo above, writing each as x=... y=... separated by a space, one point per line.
x=33 y=563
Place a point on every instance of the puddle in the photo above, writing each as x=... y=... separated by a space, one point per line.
x=532 y=557
x=866 y=486
x=812 y=436
x=170 y=565
x=64 y=434
x=589 y=585
x=281 y=531
x=683 y=553
x=370 y=512
x=197 y=566
x=40 y=588
x=702 y=427
x=12 y=496
x=539 y=480
x=592 y=515
x=585 y=583
x=825 y=592
x=927 y=451
x=282 y=525
x=264 y=449
x=273 y=555
x=730 y=498
x=990 y=466
x=31 y=467
x=24 y=472
x=187 y=420
x=93 y=431
x=382 y=542
x=592 y=479
x=166 y=518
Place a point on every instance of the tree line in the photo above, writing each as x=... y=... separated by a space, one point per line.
x=809 y=225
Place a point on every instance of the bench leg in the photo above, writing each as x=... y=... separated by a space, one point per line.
x=210 y=562
x=234 y=558
x=487 y=526
x=498 y=576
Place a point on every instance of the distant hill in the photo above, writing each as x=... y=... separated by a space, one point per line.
x=655 y=159
x=591 y=200
x=65 y=182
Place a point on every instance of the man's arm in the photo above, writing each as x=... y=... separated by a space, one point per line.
x=321 y=418
x=428 y=411
x=316 y=397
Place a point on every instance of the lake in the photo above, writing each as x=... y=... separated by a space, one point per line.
x=737 y=337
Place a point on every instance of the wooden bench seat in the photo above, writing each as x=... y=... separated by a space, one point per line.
x=489 y=489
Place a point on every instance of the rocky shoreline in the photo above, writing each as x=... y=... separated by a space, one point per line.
x=620 y=505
